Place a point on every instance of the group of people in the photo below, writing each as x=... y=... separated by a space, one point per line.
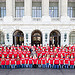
x=25 y=56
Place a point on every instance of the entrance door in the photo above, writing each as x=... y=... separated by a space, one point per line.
x=18 y=37
x=36 y=37
x=55 y=38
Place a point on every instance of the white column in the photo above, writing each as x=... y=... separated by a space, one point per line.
x=24 y=38
x=13 y=8
x=45 y=10
x=64 y=8
x=29 y=38
x=27 y=10
x=9 y=11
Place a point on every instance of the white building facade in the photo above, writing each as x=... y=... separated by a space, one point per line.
x=37 y=22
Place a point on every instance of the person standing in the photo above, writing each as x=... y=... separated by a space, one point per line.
x=35 y=61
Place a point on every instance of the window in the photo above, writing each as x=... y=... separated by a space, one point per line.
x=1 y=38
x=53 y=9
x=19 y=11
x=46 y=37
x=2 y=11
x=26 y=37
x=72 y=38
x=71 y=9
x=65 y=37
x=36 y=9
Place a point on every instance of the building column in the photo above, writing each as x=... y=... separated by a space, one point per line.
x=29 y=38
x=45 y=10
x=9 y=11
x=63 y=10
x=27 y=10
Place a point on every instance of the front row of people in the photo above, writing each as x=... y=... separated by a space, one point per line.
x=41 y=62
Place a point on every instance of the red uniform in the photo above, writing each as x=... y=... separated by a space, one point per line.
x=13 y=61
x=43 y=53
x=26 y=59
x=5 y=54
x=59 y=54
x=18 y=61
x=15 y=54
x=51 y=53
x=8 y=61
x=30 y=60
x=2 y=61
x=56 y=61
x=47 y=53
x=23 y=60
x=43 y=60
x=47 y=60
x=63 y=53
x=20 y=54
x=38 y=54
x=51 y=60
x=35 y=60
x=28 y=53
x=39 y=60
x=66 y=60
x=24 y=53
x=0 y=54
x=61 y=61
x=10 y=54
x=71 y=61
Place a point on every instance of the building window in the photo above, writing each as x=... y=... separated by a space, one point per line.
x=19 y=11
x=46 y=37
x=36 y=9
x=72 y=38
x=26 y=37
x=65 y=37
x=2 y=38
x=2 y=11
x=71 y=9
x=53 y=9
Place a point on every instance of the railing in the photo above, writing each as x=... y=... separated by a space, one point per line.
x=1 y=18
x=36 y=19
x=55 y=18
x=72 y=19
x=18 y=18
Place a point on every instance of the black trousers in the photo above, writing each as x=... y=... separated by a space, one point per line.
x=35 y=66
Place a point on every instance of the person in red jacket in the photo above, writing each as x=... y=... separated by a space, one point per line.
x=27 y=61
x=5 y=54
x=35 y=61
x=13 y=62
x=10 y=54
x=43 y=52
x=20 y=53
x=56 y=62
x=18 y=62
x=51 y=60
x=72 y=61
x=61 y=62
x=7 y=62
x=23 y=61
x=43 y=62
x=66 y=62
x=3 y=62
x=30 y=62
x=47 y=61
x=39 y=62
x=0 y=54
x=15 y=53
x=28 y=52
x=24 y=52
